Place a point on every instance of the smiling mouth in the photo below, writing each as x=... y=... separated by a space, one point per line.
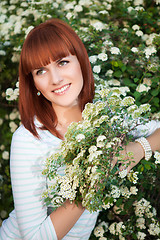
x=61 y=90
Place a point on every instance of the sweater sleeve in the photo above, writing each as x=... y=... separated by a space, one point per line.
x=146 y=129
x=27 y=154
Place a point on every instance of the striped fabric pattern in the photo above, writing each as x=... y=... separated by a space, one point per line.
x=29 y=220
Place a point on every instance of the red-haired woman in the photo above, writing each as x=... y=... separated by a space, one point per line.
x=56 y=82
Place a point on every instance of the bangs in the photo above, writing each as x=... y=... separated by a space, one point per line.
x=43 y=46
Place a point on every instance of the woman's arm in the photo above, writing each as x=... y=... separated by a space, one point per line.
x=27 y=185
x=65 y=217
x=138 y=151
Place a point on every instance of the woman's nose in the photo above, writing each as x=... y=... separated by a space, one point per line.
x=55 y=76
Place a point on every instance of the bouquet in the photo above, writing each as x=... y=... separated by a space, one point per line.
x=88 y=149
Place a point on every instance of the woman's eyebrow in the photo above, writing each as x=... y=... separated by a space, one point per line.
x=58 y=60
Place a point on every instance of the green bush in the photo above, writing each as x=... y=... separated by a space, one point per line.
x=123 y=42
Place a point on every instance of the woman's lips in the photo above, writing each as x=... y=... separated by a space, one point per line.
x=62 y=89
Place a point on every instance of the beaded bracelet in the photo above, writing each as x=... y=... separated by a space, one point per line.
x=146 y=147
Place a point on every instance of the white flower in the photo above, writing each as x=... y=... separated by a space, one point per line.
x=69 y=15
x=97 y=69
x=93 y=59
x=2 y=53
x=154 y=228
x=5 y=155
x=13 y=126
x=78 y=8
x=127 y=101
x=115 y=193
x=114 y=82
x=9 y=91
x=1 y=121
x=28 y=30
x=115 y=50
x=139 y=33
x=157 y=157
x=149 y=51
x=138 y=8
x=92 y=149
x=2 y=147
x=100 y=140
x=99 y=26
x=112 y=228
x=99 y=231
x=134 y=49
x=134 y=190
x=142 y=88
x=141 y=235
x=135 y=27
x=80 y=137
x=140 y=223
x=109 y=73
x=103 y=56
x=157 y=2
x=123 y=173
x=138 y=2
x=69 y=6
x=86 y=3
x=130 y=9
x=125 y=192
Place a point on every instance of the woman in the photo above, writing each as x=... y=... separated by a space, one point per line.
x=56 y=82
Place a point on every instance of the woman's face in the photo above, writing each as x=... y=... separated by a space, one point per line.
x=60 y=82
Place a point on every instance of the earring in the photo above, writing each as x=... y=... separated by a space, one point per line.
x=38 y=93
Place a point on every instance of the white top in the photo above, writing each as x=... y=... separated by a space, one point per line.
x=29 y=220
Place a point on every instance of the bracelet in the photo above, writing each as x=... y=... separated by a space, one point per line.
x=146 y=147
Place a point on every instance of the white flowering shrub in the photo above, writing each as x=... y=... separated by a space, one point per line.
x=82 y=168
x=123 y=42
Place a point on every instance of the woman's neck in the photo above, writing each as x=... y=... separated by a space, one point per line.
x=66 y=116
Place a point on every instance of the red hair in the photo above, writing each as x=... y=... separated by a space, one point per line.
x=51 y=40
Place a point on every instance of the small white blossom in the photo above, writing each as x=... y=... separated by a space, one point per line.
x=1 y=121
x=80 y=137
x=115 y=50
x=5 y=155
x=141 y=235
x=149 y=51
x=123 y=173
x=140 y=223
x=103 y=56
x=142 y=88
x=28 y=30
x=135 y=27
x=138 y=2
x=139 y=33
x=99 y=26
x=97 y=69
x=130 y=9
x=78 y=8
x=134 y=190
x=109 y=73
x=157 y=157
x=99 y=231
x=93 y=59
x=134 y=49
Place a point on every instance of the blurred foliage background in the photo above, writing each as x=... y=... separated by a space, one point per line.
x=123 y=42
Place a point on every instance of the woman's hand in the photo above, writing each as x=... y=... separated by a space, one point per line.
x=130 y=156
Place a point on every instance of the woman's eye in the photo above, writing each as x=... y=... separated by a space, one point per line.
x=63 y=62
x=40 y=71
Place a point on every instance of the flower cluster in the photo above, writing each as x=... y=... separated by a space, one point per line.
x=88 y=149
x=122 y=39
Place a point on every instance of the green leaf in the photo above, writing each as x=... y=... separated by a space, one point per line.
x=136 y=79
x=155 y=92
x=117 y=74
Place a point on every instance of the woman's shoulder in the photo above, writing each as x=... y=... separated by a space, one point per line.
x=24 y=135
